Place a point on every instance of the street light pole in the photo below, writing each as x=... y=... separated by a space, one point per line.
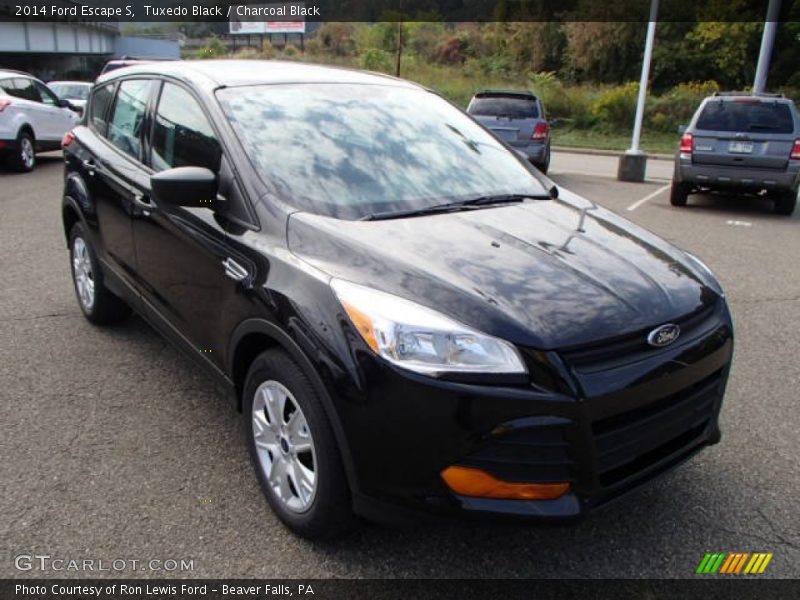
x=767 y=43
x=633 y=163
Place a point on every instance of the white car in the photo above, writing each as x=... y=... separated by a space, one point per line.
x=75 y=92
x=32 y=119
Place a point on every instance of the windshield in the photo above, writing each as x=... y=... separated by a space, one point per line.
x=349 y=150
x=515 y=107
x=71 y=91
x=746 y=115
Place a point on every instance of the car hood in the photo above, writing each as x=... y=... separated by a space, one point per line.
x=546 y=274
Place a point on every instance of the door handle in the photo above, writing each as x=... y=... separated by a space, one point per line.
x=234 y=270
x=89 y=165
x=143 y=202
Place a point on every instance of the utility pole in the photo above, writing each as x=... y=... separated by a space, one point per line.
x=399 y=41
x=767 y=43
x=633 y=163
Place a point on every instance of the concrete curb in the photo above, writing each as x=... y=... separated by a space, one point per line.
x=596 y=152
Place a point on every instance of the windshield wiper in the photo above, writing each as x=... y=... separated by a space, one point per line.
x=471 y=204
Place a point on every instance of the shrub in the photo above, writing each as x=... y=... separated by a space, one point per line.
x=336 y=38
x=291 y=51
x=376 y=60
x=677 y=106
x=616 y=106
x=214 y=48
x=247 y=53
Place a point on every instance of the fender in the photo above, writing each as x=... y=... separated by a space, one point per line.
x=285 y=342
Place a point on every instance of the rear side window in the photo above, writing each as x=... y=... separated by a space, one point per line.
x=746 y=115
x=125 y=126
x=182 y=135
x=7 y=85
x=515 y=107
x=98 y=108
x=24 y=88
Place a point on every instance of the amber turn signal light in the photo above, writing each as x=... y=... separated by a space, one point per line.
x=466 y=481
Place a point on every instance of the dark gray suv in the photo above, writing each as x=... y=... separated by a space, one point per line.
x=741 y=142
x=517 y=118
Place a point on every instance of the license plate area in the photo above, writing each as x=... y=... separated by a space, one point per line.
x=740 y=147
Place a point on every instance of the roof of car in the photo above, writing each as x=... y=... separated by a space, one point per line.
x=12 y=73
x=69 y=82
x=506 y=93
x=226 y=73
x=748 y=96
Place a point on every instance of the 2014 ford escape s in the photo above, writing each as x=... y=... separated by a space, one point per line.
x=410 y=317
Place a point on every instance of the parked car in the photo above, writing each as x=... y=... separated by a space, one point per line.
x=75 y=92
x=741 y=142
x=129 y=61
x=32 y=119
x=517 y=118
x=410 y=317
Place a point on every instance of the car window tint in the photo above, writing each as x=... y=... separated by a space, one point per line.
x=26 y=90
x=125 y=126
x=348 y=150
x=746 y=115
x=100 y=103
x=516 y=107
x=45 y=94
x=7 y=85
x=182 y=135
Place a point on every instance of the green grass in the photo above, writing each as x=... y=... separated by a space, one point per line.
x=652 y=141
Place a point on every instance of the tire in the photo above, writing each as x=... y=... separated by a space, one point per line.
x=785 y=203
x=98 y=304
x=679 y=194
x=291 y=446
x=544 y=166
x=23 y=159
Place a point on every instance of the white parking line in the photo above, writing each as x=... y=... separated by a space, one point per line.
x=638 y=203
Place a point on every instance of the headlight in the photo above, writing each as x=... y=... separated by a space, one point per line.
x=420 y=339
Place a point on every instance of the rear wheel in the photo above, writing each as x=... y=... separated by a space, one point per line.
x=785 y=203
x=293 y=448
x=24 y=159
x=99 y=305
x=679 y=194
x=545 y=164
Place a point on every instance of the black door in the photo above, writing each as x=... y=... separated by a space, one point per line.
x=113 y=170
x=180 y=251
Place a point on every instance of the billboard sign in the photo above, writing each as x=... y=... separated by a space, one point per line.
x=254 y=19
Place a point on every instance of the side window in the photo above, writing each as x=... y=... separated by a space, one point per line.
x=99 y=105
x=125 y=126
x=26 y=90
x=182 y=135
x=47 y=97
x=7 y=85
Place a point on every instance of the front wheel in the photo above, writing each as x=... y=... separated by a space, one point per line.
x=679 y=194
x=293 y=449
x=785 y=203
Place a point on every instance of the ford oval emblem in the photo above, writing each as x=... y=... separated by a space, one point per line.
x=664 y=335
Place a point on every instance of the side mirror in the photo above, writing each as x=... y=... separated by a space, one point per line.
x=186 y=186
x=682 y=129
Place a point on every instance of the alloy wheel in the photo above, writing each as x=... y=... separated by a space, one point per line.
x=284 y=446
x=26 y=152
x=82 y=271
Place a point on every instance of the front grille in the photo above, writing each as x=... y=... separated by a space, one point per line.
x=630 y=442
x=534 y=450
x=630 y=348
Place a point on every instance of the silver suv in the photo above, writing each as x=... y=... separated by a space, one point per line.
x=741 y=142
x=32 y=119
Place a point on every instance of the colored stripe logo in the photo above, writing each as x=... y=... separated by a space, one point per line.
x=734 y=563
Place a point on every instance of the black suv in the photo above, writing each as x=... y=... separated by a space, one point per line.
x=410 y=317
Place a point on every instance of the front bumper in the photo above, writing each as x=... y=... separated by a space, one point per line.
x=604 y=423
x=737 y=178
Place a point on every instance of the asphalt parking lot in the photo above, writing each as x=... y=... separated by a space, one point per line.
x=115 y=446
